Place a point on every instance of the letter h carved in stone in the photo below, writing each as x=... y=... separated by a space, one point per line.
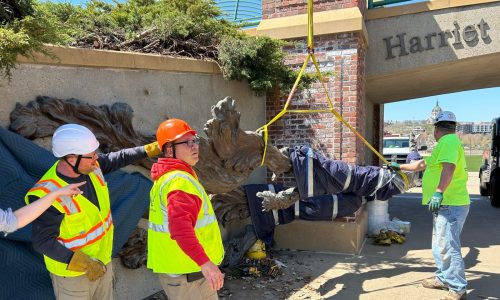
x=389 y=46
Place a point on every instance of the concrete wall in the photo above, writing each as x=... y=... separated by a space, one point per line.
x=155 y=87
x=449 y=46
x=453 y=21
x=152 y=94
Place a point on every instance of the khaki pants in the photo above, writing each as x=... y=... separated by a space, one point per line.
x=177 y=288
x=81 y=288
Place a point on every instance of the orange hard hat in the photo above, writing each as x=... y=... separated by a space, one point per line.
x=172 y=129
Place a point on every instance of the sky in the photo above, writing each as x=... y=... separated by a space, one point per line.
x=469 y=106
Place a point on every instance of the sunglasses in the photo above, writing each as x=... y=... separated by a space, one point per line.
x=189 y=143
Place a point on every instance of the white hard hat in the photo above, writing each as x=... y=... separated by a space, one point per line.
x=73 y=139
x=445 y=116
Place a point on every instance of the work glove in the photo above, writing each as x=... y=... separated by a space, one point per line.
x=435 y=202
x=81 y=262
x=394 y=166
x=281 y=200
x=152 y=149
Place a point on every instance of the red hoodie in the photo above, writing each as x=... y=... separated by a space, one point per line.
x=183 y=209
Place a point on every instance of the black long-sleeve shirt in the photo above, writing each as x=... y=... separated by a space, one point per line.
x=45 y=230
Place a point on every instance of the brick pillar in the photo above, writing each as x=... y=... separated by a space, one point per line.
x=343 y=56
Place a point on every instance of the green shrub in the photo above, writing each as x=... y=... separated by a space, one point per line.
x=23 y=31
x=191 y=28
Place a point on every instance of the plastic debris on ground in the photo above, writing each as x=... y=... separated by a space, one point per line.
x=399 y=225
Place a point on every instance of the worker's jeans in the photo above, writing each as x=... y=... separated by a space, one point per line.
x=447 y=227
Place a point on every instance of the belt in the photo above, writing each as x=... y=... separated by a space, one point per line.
x=194 y=276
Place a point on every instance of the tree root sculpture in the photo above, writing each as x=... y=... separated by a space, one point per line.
x=227 y=156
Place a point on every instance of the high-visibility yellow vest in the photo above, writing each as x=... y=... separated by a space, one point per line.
x=83 y=227
x=164 y=254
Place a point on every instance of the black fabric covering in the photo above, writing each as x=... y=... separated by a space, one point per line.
x=318 y=208
x=321 y=208
x=22 y=163
x=329 y=176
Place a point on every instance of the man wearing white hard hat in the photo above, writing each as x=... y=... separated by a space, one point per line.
x=75 y=235
x=444 y=190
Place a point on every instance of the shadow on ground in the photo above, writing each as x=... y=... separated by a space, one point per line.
x=387 y=272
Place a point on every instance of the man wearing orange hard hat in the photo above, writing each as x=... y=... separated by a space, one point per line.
x=184 y=240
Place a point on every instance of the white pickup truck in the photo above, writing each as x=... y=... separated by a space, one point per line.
x=396 y=148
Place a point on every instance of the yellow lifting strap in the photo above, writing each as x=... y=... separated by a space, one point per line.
x=311 y=56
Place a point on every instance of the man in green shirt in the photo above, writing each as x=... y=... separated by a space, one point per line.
x=444 y=190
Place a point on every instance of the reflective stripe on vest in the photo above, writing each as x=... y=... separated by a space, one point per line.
x=98 y=173
x=49 y=185
x=91 y=236
x=205 y=221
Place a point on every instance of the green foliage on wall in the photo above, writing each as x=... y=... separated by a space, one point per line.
x=188 y=28
x=23 y=32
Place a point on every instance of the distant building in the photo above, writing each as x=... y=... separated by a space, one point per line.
x=418 y=129
x=475 y=127
x=435 y=112
x=465 y=127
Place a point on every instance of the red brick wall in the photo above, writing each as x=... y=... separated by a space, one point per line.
x=283 y=8
x=343 y=56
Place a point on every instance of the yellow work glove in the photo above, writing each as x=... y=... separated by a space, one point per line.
x=81 y=262
x=152 y=149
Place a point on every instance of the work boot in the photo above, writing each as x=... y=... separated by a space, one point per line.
x=452 y=295
x=434 y=283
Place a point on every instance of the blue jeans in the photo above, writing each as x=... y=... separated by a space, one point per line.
x=447 y=226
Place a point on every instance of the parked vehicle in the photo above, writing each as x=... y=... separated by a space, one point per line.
x=489 y=172
x=396 y=148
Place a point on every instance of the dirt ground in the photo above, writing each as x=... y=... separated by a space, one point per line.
x=390 y=272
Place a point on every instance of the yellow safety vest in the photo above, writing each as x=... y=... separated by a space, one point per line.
x=164 y=254
x=83 y=227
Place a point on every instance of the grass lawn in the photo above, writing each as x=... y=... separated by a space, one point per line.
x=473 y=162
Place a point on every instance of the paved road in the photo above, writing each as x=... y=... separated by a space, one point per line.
x=392 y=272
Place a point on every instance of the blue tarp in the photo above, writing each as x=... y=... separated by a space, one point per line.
x=22 y=163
